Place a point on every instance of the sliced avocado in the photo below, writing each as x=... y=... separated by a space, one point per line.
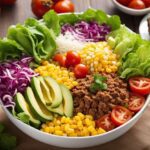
x=55 y=91
x=22 y=106
x=67 y=101
x=37 y=106
x=45 y=91
x=37 y=86
x=59 y=110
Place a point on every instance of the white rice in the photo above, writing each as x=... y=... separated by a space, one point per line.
x=68 y=42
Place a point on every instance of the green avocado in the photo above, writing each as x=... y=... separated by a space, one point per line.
x=45 y=90
x=40 y=90
x=59 y=110
x=55 y=91
x=22 y=106
x=37 y=106
x=67 y=101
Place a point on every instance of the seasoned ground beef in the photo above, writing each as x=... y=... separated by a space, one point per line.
x=101 y=102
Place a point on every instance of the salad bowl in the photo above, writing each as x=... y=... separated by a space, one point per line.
x=76 y=142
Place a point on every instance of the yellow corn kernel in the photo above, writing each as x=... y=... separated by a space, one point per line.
x=58 y=132
x=81 y=116
x=89 y=117
x=51 y=129
x=100 y=131
x=46 y=129
x=44 y=126
x=57 y=128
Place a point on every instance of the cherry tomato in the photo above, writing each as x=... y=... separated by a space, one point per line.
x=8 y=2
x=64 y=6
x=137 y=4
x=72 y=59
x=147 y=3
x=140 y=85
x=60 y=59
x=120 y=115
x=124 y=2
x=105 y=123
x=136 y=102
x=80 y=71
x=40 y=7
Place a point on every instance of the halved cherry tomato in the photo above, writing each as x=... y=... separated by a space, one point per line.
x=140 y=85
x=40 y=7
x=61 y=59
x=137 y=4
x=80 y=71
x=120 y=115
x=124 y=2
x=64 y=6
x=136 y=102
x=72 y=59
x=105 y=123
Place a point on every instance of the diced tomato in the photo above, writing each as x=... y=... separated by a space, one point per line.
x=147 y=3
x=61 y=59
x=80 y=71
x=105 y=123
x=120 y=115
x=140 y=85
x=136 y=102
x=72 y=59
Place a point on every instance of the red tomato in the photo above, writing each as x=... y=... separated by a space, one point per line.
x=137 y=4
x=124 y=2
x=8 y=2
x=120 y=115
x=105 y=123
x=40 y=7
x=140 y=85
x=60 y=59
x=64 y=6
x=147 y=3
x=72 y=59
x=136 y=102
x=80 y=71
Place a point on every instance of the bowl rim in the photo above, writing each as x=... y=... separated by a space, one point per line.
x=131 y=9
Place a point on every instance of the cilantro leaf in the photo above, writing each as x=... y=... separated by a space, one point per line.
x=99 y=83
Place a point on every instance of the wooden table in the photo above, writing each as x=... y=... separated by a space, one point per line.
x=137 y=138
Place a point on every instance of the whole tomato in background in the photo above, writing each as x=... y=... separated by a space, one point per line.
x=147 y=3
x=7 y=2
x=40 y=7
x=64 y=6
x=137 y=4
x=124 y=2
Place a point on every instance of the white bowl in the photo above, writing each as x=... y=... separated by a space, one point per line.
x=131 y=11
x=76 y=142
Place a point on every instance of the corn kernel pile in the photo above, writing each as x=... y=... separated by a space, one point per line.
x=79 y=125
x=60 y=74
x=99 y=57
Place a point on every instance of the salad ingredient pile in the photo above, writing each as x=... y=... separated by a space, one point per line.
x=89 y=73
x=15 y=77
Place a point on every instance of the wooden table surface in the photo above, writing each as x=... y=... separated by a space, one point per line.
x=137 y=138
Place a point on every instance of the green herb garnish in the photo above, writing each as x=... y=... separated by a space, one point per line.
x=99 y=83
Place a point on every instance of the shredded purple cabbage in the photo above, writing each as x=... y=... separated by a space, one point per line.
x=87 y=32
x=14 y=77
